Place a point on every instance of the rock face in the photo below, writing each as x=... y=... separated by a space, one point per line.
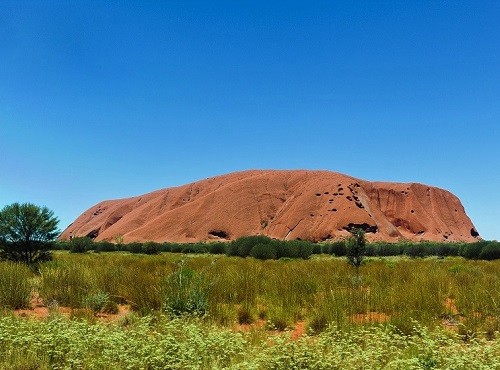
x=307 y=205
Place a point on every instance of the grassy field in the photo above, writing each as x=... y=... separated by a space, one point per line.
x=209 y=311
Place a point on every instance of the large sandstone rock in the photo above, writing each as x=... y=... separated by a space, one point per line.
x=312 y=205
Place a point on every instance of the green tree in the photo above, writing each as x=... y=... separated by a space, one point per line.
x=356 y=248
x=27 y=232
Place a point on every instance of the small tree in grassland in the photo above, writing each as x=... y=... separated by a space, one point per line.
x=356 y=249
x=26 y=233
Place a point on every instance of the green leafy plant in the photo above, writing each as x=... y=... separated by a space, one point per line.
x=100 y=302
x=185 y=293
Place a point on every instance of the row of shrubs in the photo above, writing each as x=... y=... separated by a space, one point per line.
x=483 y=250
x=262 y=247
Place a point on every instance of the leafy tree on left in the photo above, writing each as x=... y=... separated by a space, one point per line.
x=27 y=232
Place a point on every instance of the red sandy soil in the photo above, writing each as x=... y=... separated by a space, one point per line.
x=287 y=205
x=298 y=331
x=452 y=317
x=39 y=310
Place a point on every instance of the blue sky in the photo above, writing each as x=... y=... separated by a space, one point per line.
x=103 y=100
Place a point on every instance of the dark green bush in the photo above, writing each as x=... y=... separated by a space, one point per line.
x=104 y=246
x=189 y=248
x=446 y=249
x=294 y=249
x=245 y=244
x=120 y=247
x=490 y=251
x=387 y=249
x=166 y=247
x=61 y=245
x=317 y=248
x=284 y=249
x=415 y=250
x=472 y=250
x=290 y=249
x=263 y=251
x=151 y=248
x=134 y=247
x=232 y=249
x=176 y=247
x=194 y=248
x=305 y=249
x=217 y=247
x=80 y=244
x=370 y=250
x=337 y=248
x=201 y=248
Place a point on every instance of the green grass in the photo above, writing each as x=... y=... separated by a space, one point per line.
x=218 y=292
x=322 y=289
x=15 y=285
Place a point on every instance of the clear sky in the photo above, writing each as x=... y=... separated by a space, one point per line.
x=110 y=99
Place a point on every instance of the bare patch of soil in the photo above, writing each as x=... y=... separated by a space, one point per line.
x=39 y=310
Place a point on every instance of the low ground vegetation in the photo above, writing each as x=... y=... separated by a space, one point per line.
x=210 y=311
x=213 y=312
x=157 y=342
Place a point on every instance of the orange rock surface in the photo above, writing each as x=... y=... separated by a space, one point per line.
x=298 y=204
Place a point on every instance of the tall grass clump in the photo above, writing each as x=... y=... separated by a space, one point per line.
x=65 y=283
x=186 y=292
x=15 y=285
